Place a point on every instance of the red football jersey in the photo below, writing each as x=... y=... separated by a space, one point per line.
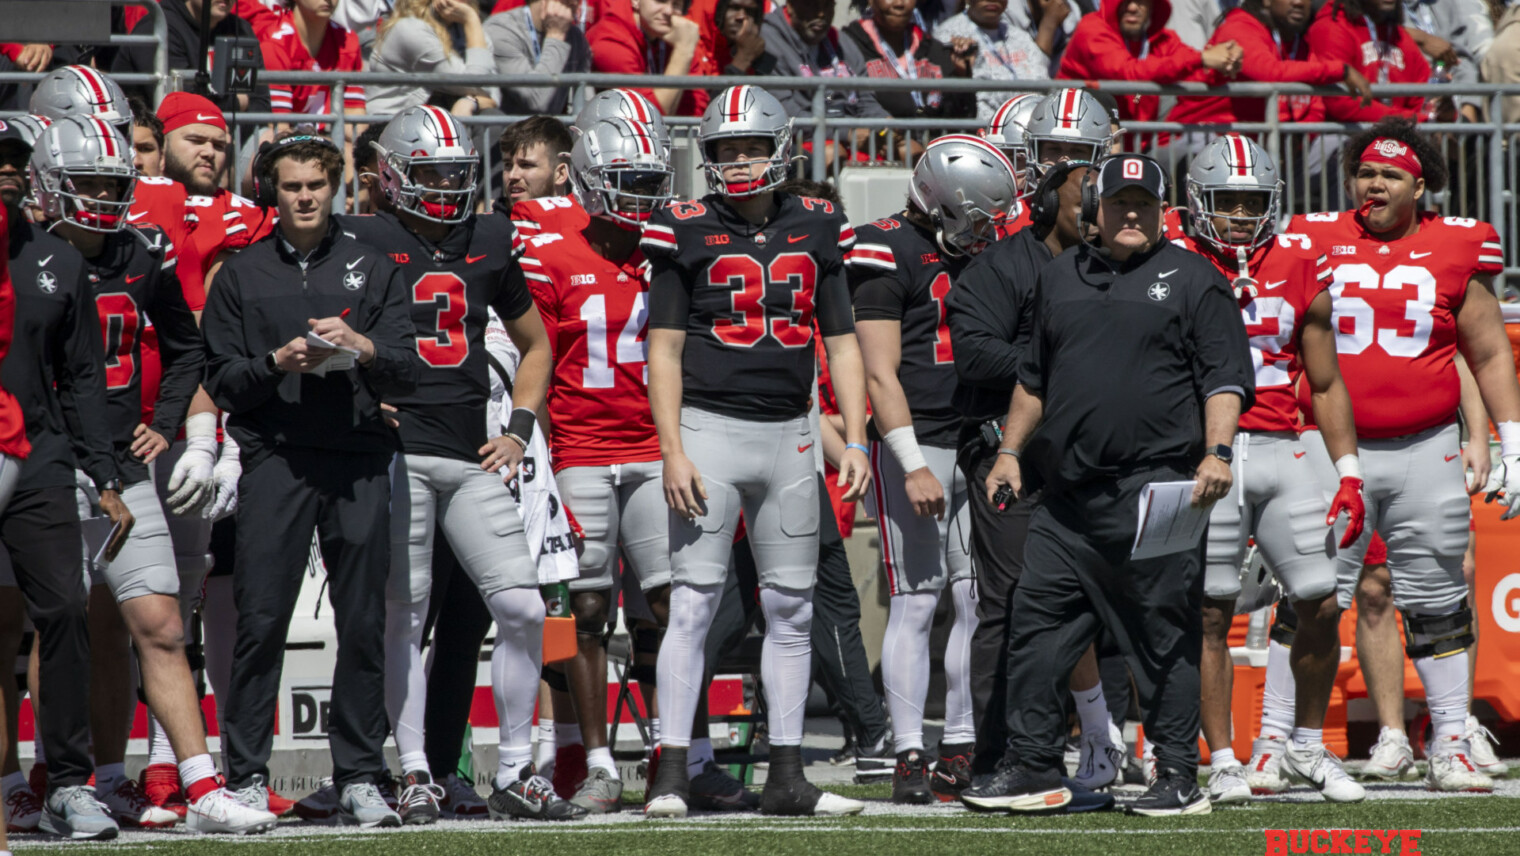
x=221 y=221
x=164 y=202
x=12 y=427
x=1289 y=272
x=283 y=51
x=597 y=315
x=1395 y=314
x=560 y=214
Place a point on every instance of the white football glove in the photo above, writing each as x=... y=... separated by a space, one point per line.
x=1504 y=485
x=227 y=472
x=192 y=483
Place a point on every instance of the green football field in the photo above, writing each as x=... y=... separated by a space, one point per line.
x=1466 y=825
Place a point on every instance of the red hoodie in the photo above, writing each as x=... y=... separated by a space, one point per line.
x=1098 y=51
x=618 y=46
x=1267 y=61
x=1336 y=36
x=12 y=425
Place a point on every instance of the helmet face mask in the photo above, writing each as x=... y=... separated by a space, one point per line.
x=620 y=170
x=428 y=166
x=97 y=201
x=81 y=173
x=1234 y=180
x=745 y=112
x=970 y=232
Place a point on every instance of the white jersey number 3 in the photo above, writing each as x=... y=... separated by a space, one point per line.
x=1355 y=323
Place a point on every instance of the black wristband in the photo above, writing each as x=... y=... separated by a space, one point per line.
x=521 y=424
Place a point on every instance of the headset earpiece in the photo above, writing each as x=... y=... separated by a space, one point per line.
x=263 y=181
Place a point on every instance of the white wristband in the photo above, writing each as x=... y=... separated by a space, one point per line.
x=904 y=446
x=1509 y=439
x=1349 y=467
x=200 y=425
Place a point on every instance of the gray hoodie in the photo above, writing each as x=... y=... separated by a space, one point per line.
x=522 y=50
x=836 y=56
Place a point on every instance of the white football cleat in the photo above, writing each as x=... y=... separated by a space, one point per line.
x=219 y=811
x=1318 y=768
x=665 y=806
x=1481 y=743
x=1451 y=770
x=1392 y=758
x=834 y=805
x=1264 y=772
x=1227 y=784
x=1101 y=759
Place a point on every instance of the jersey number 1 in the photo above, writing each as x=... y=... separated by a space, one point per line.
x=445 y=292
x=748 y=281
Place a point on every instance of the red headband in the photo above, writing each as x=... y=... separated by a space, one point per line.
x=1393 y=153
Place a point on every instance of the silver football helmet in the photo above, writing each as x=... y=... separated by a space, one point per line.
x=620 y=171
x=1233 y=163
x=745 y=111
x=78 y=90
x=75 y=159
x=1007 y=130
x=625 y=104
x=1067 y=116
x=428 y=165
x=966 y=186
x=24 y=129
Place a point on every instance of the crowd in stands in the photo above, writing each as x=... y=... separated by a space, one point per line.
x=1333 y=42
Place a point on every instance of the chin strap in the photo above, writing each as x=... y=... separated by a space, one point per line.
x=1244 y=284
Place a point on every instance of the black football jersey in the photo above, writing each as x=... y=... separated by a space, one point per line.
x=897 y=273
x=747 y=298
x=55 y=367
x=133 y=280
x=451 y=285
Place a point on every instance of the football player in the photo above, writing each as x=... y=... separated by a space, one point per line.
x=901 y=270
x=1007 y=132
x=1281 y=475
x=736 y=278
x=83 y=182
x=1411 y=289
x=457 y=264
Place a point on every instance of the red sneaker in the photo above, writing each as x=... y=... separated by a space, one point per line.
x=160 y=782
x=569 y=769
x=278 y=805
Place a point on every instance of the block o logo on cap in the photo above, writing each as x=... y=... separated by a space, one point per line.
x=1391 y=148
x=1134 y=168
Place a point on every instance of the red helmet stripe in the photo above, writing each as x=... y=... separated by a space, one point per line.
x=107 y=139
x=1242 y=154
x=1068 y=112
x=91 y=79
x=445 y=128
x=977 y=141
x=636 y=105
x=733 y=108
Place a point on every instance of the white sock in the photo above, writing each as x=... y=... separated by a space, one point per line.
x=515 y=664
x=960 y=723
x=905 y=665
x=1223 y=758
x=1278 y=697
x=568 y=734
x=159 y=749
x=195 y=769
x=406 y=681
x=543 y=744
x=1306 y=738
x=698 y=755
x=108 y=776
x=1092 y=711
x=682 y=660
x=786 y=661
x=510 y=761
x=10 y=783
x=601 y=757
x=1445 y=680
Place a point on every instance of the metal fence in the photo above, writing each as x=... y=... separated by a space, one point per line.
x=1483 y=165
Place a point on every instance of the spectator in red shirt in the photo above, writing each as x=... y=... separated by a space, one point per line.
x=651 y=38
x=308 y=40
x=1372 y=39
x=1271 y=36
x=1128 y=40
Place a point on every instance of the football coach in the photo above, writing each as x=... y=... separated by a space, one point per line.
x=1136 y=371
x=316 y=452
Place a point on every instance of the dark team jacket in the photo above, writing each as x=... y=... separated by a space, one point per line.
x=897 y=273
x=262 y=300
x=746 y=297
x=133 y=283
x=448 y=288
x=1124 y=355
x=55 y=366
x=988 y=313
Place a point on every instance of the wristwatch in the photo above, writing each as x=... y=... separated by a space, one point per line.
x=273 y=364
x=1221 y=451
x=111 y=484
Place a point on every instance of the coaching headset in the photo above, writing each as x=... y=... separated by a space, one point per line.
x=263 y=182
x=1045 y=204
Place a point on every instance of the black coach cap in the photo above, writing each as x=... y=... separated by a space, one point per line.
x=1128 y=170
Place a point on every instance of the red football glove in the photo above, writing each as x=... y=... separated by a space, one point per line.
x=1349 y=500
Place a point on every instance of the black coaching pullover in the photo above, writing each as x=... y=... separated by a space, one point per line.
x=262 y=299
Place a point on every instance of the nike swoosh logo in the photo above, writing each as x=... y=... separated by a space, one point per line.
x=469 y=260
x=1299 y=454
x=132 y=279
x=44 y=262
x=1167 y=274
x=1419 y=255
x=1450 y=458
x=200 y=118
x=801 y=449
x=1271 y=285
x=138 y=216
x=355 y=262
x=792 y=239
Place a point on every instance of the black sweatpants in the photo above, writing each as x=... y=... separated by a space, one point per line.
x=281 y=500
x=40 y=531
x=455 y=659
x=997 y=560
x=1078 y=579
